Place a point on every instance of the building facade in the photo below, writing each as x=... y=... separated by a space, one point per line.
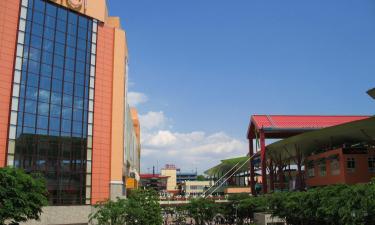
x=195 y=188
x=170 y=171
x=349 y=165
x=63 y=98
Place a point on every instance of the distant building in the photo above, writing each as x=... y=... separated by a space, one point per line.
x=154 y=181
x=194 y=188
x=171 y=172
x=186 y=176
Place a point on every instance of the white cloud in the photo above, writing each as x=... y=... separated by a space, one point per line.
x=136 y=98
x=189 y=151
x=153 y=120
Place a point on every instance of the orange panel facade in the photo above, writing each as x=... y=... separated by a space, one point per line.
x=102 y=115
x=341 y=173
x=9 y=16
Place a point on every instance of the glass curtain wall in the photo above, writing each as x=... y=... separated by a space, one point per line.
x=52 y=105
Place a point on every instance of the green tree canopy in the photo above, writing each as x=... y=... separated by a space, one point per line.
x=22 y=196
x=142 y=207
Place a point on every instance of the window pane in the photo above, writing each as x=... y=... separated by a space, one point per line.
x=43 y=109
x=44 y=95
x=51 y=10
x=29 y=120
x=42 y=122
x=45 y=83
x=54 y=124
x=66 y=126
x=67 y=113
x=55 y=111
x=61 y=14
x=56 y=98
x=30 y=106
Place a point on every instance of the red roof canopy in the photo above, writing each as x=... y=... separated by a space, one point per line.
x=282 y=126
x=154 y=176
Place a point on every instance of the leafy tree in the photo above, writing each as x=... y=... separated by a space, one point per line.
x=22 y=196
x=142 y=207
x=331 y=205
x=110 y=213
x=202 y=210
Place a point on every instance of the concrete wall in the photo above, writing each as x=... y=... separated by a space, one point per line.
x=265 y=219
x=61 y=215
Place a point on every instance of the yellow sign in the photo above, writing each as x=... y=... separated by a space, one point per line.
x=130 y=183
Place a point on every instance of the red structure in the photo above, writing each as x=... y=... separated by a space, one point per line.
x=264 y=127
x=341 y=166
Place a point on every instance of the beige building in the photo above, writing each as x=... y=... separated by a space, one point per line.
x=171 y=172
x=195 y=187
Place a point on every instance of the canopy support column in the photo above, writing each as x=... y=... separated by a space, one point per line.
x=252 y=169
x=263 y=161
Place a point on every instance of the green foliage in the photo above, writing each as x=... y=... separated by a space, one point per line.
x=331 y=205
x=22 y=196
x=242 y=208
x=142 y=207
x=110 y=213
x=202 y=210
x=201 y=178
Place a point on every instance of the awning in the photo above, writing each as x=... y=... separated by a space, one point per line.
x=361 y=131
x=229 y=164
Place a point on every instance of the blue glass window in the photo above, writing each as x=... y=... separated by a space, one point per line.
x=36 y=41
x=61 y=26
x=62 y=14
x=67 y=113
x=53 y=102
x=38 y=19
x=56 y=98
x=58 y=73
x=42 y=122
x=44 y=95
x=66 y=126
x=56 y=85
x=54 y=124
x=30 y=106
x=49 y=34
x=29 y=120
x=77 y=114
x=55 y=111
x=31 y=93
x=51 y=10
x=32 y=80
x=45 y=83
x=37 y=31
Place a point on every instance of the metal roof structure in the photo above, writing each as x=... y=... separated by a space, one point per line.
x=153 y=176
x=281 y=126
x=262 y=127
x=359 y=131
x=228 y=165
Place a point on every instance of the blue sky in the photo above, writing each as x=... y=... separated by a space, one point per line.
x=200 y=68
